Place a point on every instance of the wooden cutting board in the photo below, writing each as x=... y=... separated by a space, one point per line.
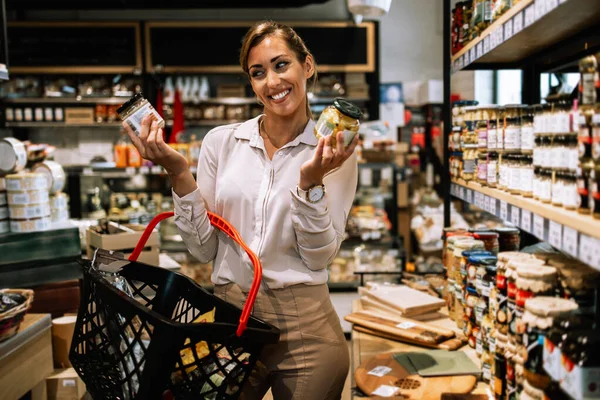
x=408 y=301
x=450 y=344
x=412 y=386
x=416 y=331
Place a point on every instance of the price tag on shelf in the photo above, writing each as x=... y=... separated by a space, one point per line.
x=540 y=9
x=515 y=215
x=486 y=44
x=508 y=29
x=500 y=38
x=469 y=198
x=462 y=193
x=538 y=226
x=555 y=234
x=503 y=211
x=486 y=203
x=130 y=170
x=473 y=54
x=144 y=170
x=493 y=40
x=586 y=249
x=492 y=206
x=569 y=241
x=551 y=5
x=526 y=220
x=518 y=23
x=479 y=50
x=529 y=15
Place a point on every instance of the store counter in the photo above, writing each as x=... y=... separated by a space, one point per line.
x=365 y=346
x=26 y=359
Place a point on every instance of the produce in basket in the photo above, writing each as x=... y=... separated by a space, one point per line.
x=10 y=300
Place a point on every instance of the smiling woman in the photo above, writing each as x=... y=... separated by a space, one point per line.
x=267 y=177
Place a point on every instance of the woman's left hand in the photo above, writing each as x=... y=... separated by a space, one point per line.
x=326 y=159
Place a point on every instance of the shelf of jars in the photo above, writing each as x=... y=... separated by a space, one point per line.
x=523 y=30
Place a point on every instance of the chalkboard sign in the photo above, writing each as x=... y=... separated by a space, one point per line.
x=214 y=47
x=74 y=47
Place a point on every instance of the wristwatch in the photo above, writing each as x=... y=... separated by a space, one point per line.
x=313 y=195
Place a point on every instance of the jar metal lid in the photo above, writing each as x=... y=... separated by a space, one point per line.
x=471 y=290
x=549 y=306
x=130 y=102
x=347 y=108
x=482 y=259
x=471 y=253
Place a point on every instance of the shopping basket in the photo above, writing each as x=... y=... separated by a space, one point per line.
x=154 y=345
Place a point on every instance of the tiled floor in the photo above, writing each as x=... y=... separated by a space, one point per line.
x=345 y=393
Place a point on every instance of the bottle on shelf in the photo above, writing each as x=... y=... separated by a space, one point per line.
x=121 y=149
x=204 y=89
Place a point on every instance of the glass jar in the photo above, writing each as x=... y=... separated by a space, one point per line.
x=581 y=365
x=596 y=134
x=514 y=174
x=538 y=317
x=482 y=166
x=588 y=70
x=342 y=116
x=471 y=300
x=512 y=132
x=573 y=153
x=500 y=375
x=135 y=109
x=482 y=280
x=526 y=176
x=570 y=193
x=503 y=164
x=469 y=138
x=527 y=131
x=546 y=152
x=492 y=170
x=469 y=164
x=595 y=184
x=474 y=248
x=489 y=239
x=584 y=135
x=487 y=361
x=511 y=378
x=536 y=183
x=546 y=186
x=492 y=135
x=500 y=113
x=508 y=239
x=482 y=128
x=558 y=189
x=578 y=282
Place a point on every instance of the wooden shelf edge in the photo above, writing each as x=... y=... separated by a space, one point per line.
x=498 y=23
x=585 y=224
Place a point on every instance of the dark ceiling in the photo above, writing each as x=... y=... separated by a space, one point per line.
x=26 y=5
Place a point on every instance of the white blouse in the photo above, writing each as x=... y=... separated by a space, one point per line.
x=294 y=239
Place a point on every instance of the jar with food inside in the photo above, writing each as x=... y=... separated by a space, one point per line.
x=343 y=116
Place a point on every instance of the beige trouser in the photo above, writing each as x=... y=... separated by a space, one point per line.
x=311 y=360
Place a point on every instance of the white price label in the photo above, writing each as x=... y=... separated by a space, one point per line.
x=555 y=234
x=503 y=211
x=515 y=216
x=500 y=38
x=486 y=44
x=508 y=30
x=551 y=5
x=406 y=325
x=144 y=170
x=469 y=196
x=130 y=170
x=479 y=50
x=529 y=15
x=518 y=23
x=595 y=254
x=569 y=241
x=540 y=9
x=472 y=55
x=385 y=391
x=486 y=203
x=586 y=249
x=538 y=226
x=493 y=206
x=526 y=220
x=379 y=371
x=462 y=193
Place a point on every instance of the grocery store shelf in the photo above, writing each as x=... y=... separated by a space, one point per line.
x=208 y=122
x=60 y=125
x=576 y=234
x=66 y=100
x=526 y=29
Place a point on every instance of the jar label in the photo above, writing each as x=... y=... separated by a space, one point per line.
x=514 y=178
x=580 y=382
x=520 y=326
x=526 y=183
x=469 y=166
x=546 y=189
x=512 y=319
x=588 y=88
x=512 y=138
x=135 y=119
x=502 y=313
x=485 y=288
x=492 y=344
x=487 y=372
x=482 y=171
x=492 y=172
x=501 y=282
x=479 y=313
x=479 y=346
x=492 y=138
x=512 y=290
x=482 y=135
x=523 y=295
x=527 y=138
x=324 y=128
x=551 y=357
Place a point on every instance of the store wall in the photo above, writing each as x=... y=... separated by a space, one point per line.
x=411 y=41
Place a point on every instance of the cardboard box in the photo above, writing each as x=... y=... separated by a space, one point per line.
x=65 y=384
x=124 y=238
x=79 y=115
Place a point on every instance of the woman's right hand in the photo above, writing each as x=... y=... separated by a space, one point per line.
x=151 y=145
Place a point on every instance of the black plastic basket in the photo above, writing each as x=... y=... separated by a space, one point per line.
x=150 y=348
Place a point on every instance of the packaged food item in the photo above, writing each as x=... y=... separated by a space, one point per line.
x=29 y=211
x=482 y=169
x=509 y=239
x=28 y=197
x=31 y=225
x=28 y=181
x=588 y=70
x=54 y=174
x=135 y=109
x=59 y=214
x=59 y=201
x=492 y=170
x=538 y=317
x=13 y=155
x=342 y=116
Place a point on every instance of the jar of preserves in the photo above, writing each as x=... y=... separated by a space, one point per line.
x=512 y=135
x=135 y=109
x=469 y=164
x=509 y=239
x=558 y=189
x=570 y=193
x=500 y=125
x=546 y=186
x=511 y=378
x=527 y=131
x=487 y=361
x=500 y=374
x=471 y=300
x=492 y=170
x=578 y=282
x=581 y=365
x=588 y=70
x=482 y=166
x=492 y=135
x=584 y=134
x=514 y=174
x=546 y=152
x=469 y=137
x=463 y=249
x=503 y=165
x=583 y=187
x=482 y=128
x=596 y=134
x=342 y=116
x=489 y=239
x=527 y=176
x=538 y=317
x=573 y=150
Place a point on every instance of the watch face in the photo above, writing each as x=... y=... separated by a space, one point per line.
x=315 y=194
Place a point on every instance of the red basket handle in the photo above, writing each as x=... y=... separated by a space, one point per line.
x=226 y=227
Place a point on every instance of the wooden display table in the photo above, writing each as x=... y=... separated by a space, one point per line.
x=26 y=359
x=365 y=346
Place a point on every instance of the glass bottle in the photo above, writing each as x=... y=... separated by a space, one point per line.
x=492 y=170
x=588 y=70
x=526 y=175
x=120 y=150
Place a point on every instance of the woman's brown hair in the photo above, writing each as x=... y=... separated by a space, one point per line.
x=264 y=29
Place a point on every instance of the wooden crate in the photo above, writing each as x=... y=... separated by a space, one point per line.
x=124 y=238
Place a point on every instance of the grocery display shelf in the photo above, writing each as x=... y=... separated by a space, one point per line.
x=207 y=122
x=525 y=29
x=576 y=234
x=40 y=124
